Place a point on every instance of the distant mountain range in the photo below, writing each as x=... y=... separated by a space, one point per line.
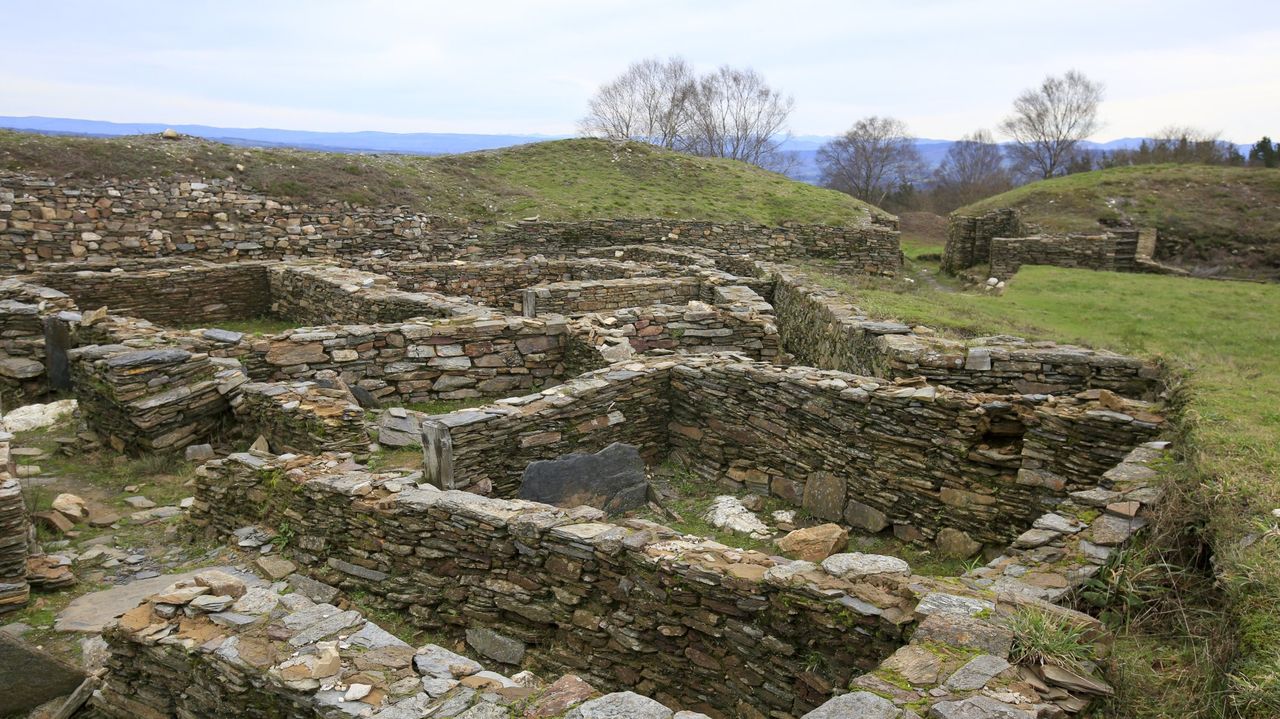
x=805 y=147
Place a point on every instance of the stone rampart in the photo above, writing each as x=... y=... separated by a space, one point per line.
x=824 y=330
x=998 y=243
x=631 y=605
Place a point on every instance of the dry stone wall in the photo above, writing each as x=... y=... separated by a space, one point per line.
x=847 y=448
x=998 y=243
x=601 y=338
x=24 y=362
x=869 y=247
x=323 y=294
x=147 y=400
x=969 y=237
x=173 y=296
x=501 y=283
x=486 y=450
x=871 y=454
x=405 y=362
x=1113 y=251
x=301 y=417
x=14 y=534
x=571 y=298
x=215 y=648
x=635 y=605
x=823 y=330
x=46 y=221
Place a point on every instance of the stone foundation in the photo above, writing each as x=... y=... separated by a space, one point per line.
x=998 y=243
x=323 y=294
x=822 y=329
x=849 y=449
x=181 y=296
x=1113 y=251
x=687 y=621
x=571 y=298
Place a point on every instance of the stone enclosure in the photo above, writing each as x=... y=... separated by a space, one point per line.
x=704 y=346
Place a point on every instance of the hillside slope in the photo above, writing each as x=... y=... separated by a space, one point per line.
x=558 y=180
x=1207 y=217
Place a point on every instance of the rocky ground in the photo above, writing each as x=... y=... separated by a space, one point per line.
x=110 y=528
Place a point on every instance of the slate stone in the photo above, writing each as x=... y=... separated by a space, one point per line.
x=146 y=357
x=863 y=705
x=612 y=479
x=31 y=677
x=865 y=516
x=824 y=496
x=227 y=336
x=439 y=663
x=497 y=647
x=364 y=397
x=976 y=673
x=620 y=705
x=314 y=590
x=978 y=707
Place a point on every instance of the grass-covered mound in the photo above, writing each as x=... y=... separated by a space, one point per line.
x=559 y=180
x=1205 y=215
x=1196 y=605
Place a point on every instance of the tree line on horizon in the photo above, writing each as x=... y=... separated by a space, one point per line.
x=734 y=113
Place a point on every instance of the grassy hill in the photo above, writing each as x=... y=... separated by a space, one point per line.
x=1206 y=216
x=559 y=180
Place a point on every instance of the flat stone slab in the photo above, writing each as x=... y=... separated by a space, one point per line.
x=31 y=677
x=94 y=611
x=612 y=479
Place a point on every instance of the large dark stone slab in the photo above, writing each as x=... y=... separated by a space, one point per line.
x=31 y=677
x=612 y=479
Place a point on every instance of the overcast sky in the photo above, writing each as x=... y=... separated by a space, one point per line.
x=526 y=66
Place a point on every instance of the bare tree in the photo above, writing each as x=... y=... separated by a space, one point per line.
x=973 y=168
x=648 y=103
x=735 y=114
x=729 y=113
x=874 y=158
x=1049 y=121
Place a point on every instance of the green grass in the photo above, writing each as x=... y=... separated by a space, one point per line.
x=1041 y=638
x=1204 y=214
x=559 y=180
x=1228 y=335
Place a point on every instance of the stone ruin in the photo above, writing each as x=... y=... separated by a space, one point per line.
x=697 y=344
x=999 y=243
